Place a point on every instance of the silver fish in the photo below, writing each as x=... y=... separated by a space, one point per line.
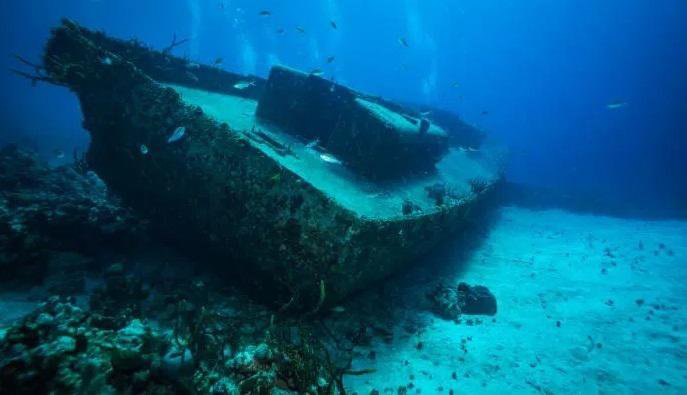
x=616 y=105
x=330 y=159
x=144 y=149
x=177 y=135
x=241 y=85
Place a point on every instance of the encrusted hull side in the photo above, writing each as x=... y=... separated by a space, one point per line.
x=216 y=190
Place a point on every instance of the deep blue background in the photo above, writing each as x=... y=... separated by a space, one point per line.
x=543 y=70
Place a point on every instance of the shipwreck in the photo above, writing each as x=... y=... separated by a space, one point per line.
x=310 y=189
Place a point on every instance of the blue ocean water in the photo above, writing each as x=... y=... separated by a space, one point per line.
x=588 y=97
x=537 y=76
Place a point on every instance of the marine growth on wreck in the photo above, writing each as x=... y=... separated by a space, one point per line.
x=238 y=224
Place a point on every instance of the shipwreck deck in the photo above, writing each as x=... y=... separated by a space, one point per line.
x=365 y=198
x=301 y=223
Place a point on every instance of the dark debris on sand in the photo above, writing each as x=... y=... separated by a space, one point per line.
x=451 y=302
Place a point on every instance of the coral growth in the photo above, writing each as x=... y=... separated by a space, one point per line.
x=43 y=210
x=198 y=345
x=478 y=185
x=57 y=349
x=119 y=299
x=442 y=194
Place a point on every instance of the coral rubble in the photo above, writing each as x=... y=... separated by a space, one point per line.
x=57 y=349
x=196 y=344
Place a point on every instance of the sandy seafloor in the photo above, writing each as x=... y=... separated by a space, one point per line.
x=586 y=305
x=617 y=288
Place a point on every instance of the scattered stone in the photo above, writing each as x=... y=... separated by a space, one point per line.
x=451 y=302
x=476 y=300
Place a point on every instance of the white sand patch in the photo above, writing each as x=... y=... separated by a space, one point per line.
x=616 y=287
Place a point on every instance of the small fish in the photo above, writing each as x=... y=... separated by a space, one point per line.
x=455 y=85
x=403 y=42
x=241 y=85
x=300 y=29
x=426 y=113
x=616 y=105
x=218 y=61
x=265 y=13
x=281 y=30
x=330 y=159
x=333 y=23
x=338 y=309
x=107 y=61
x=331 y=59
x=193 y=66
x=59 y=154
x=485 y=112
x=312 y=144
x=177 y=135
x=317 y=72
x=143 y=149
